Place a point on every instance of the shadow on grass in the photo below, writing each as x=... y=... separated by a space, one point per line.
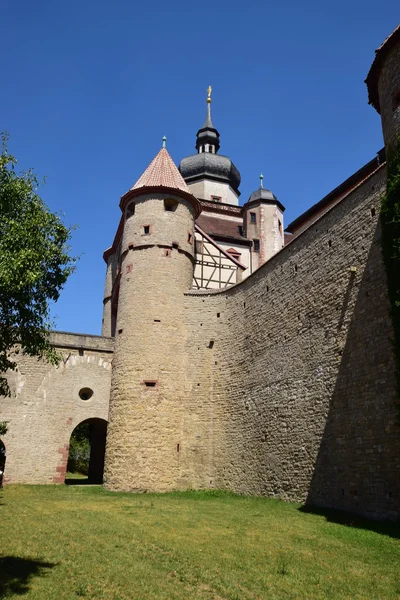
x=78 y=481
x=16 y=574
x=389 y=528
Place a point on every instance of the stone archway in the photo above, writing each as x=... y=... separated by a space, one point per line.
x=95 y=429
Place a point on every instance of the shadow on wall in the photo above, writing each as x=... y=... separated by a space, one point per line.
x=358 y=463
x=16 y=574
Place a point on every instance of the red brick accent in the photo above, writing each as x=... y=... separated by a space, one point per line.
x=129 y=268
x=69 y=421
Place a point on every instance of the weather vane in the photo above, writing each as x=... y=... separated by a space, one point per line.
x=209 y=90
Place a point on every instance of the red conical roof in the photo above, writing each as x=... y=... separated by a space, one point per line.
x=162 y=172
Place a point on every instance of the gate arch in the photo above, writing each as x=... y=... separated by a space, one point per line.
x=97 y=434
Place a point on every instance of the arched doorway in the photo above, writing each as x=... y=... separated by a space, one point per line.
x=86 y=452
x=2 y=462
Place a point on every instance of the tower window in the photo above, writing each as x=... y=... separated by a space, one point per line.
x=190 y=237
x=152 y=383
x=146 y=229
x=253 y=217
x=216 y=198
x=280 y=226
x=130 y=211
x=256 y=245
x=396 y=100
x=170 y=204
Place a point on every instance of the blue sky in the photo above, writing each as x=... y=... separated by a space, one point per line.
x=90 y=87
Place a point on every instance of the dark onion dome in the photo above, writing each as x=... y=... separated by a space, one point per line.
x=210 y=166
x=207 y=164
x=262 y=195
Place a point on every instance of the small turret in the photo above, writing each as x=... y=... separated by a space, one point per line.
x=263 y=223
x=383 y=83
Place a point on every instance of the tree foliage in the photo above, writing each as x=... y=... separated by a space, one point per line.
x=79 y=449
x=34 y=266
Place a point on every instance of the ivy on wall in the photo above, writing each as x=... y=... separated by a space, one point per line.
x=390 y=214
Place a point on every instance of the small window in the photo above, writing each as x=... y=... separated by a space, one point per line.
x=150 y=384
x=216 y=198
x=146 y=230
x=170 y=204
x=130 y=211
x=85 y=393
x=190 y=237
x=256 y=245
x=396 y=100
x=280 y=226
x=175 y=245
x=253 y=217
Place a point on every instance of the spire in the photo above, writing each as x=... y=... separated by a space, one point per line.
x=164 y=141
x=162 y=172
x=208 y=123
x=208 y=136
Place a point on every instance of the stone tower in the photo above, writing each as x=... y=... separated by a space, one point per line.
x=263 y=224
x=148 y=379
x=210 y=176
x=383 y=82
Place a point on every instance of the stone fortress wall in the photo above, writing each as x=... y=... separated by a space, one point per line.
x=283 y=385
x=45 y=407
x=295 y=396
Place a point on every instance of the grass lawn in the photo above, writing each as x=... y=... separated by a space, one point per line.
x=64 y=542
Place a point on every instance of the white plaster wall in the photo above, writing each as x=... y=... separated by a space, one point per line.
x=206 y=188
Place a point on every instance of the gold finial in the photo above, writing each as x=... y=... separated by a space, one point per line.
x=209 y=90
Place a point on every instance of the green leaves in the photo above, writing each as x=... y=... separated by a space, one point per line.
x=34 y=265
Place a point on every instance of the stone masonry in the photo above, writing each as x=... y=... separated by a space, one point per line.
x=282 y=385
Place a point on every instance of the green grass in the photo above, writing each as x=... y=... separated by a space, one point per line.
x=65 y=542
x=70 y=475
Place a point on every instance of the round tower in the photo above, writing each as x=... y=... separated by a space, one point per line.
x=148 y=379
x=383 y=82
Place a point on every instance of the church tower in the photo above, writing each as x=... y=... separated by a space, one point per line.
x=210 y=176
x=148 y=383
